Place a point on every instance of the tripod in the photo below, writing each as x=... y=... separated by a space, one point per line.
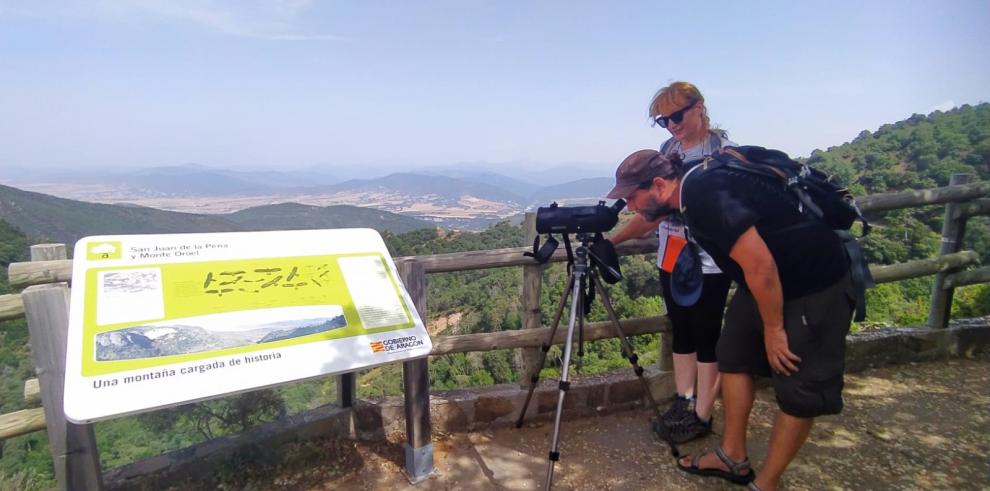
x=581 y=271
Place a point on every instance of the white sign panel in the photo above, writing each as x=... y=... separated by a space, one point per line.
x=159 y=320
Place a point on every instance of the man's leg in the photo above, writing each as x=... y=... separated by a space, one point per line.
x=737 y=398
x=816 y=330
x=789 y=433
x=738 y=393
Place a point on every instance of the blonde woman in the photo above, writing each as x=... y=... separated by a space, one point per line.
x=695 y=316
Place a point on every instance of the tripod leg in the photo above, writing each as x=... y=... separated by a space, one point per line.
x=627 y=349
x=564 y=385
x=581 y=306
x=535 y=376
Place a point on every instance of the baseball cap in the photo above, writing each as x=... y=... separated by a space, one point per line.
x=687 y=278
x=639 y=167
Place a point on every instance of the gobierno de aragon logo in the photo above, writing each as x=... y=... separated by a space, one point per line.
x=393 y=345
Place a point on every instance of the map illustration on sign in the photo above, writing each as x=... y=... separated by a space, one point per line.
x=159 y=320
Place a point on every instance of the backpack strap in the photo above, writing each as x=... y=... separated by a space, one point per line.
x=666 y=147
x=792 y=183
x=714 y=141
x=860 y=272
x=712 y=144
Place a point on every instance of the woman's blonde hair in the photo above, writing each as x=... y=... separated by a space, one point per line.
x=676 y=96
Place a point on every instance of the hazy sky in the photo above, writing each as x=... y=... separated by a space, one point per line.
x=296 y=83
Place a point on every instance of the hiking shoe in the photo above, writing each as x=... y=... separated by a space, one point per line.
x=678 y=410
x=685 y=430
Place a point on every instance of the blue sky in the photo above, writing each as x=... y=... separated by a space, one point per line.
x=354 y=86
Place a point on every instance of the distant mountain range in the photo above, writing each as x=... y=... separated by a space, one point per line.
x=200 y=180
x=234 y=200
x=450 y=190
x=48 y=218
x=582 y=191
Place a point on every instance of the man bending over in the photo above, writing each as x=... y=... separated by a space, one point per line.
x=791 y=313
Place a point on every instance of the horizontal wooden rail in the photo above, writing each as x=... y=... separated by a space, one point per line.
x=512 y=256
x=22 y=275
x=923 y=267
x=11 y=307
x=973 y=208
x=964 y=278
x=39 y=272
x=529 y=338
x=911 y=199
x=21 y=422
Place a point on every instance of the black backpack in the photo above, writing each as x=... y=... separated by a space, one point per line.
x=820 y=197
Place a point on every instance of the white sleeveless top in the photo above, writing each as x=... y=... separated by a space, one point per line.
x=675 y=225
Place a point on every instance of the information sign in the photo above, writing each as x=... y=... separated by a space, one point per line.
x=160 y=320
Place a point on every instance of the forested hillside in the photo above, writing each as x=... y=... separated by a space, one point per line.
x=20 y=460
x=919 y=152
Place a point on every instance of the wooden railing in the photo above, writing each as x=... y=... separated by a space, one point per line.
x=73 y=447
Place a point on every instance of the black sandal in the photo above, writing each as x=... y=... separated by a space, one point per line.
x=739 y=472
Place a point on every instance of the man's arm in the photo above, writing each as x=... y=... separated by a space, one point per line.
x=636 y=228
x=760 y=270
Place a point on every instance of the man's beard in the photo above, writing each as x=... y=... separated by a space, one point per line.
x=655 y=211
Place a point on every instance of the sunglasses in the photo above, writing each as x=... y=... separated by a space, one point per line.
x=676 y=116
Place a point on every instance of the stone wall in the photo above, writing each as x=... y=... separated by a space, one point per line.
x=474 y=409
x=880 y=347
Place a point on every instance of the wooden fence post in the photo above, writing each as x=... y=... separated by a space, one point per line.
x=48 y=252
x=416 y=386
x=666 y=361
x=953 y=229
x=73 y=447
x=527 y=359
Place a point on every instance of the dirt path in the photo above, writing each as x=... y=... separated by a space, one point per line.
x=918 y=426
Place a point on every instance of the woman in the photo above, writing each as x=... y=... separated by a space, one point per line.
x=680 y=108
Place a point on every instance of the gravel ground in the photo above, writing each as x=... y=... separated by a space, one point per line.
x=916 y=426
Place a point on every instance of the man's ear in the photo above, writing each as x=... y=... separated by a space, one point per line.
x=661 y=185
x=663 y=188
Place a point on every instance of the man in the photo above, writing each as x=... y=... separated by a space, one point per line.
x=789 y=317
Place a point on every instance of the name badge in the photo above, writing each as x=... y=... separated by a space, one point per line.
x=672 y=239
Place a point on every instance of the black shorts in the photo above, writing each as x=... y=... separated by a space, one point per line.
x=816 y=327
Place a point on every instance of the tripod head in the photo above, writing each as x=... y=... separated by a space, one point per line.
x=592 y=244
x=603 y=256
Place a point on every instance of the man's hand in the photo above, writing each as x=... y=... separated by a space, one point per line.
x=753 y=256
x=778 y=354
x=636 y=228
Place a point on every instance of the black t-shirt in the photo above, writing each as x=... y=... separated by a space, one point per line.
x=720 y=204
